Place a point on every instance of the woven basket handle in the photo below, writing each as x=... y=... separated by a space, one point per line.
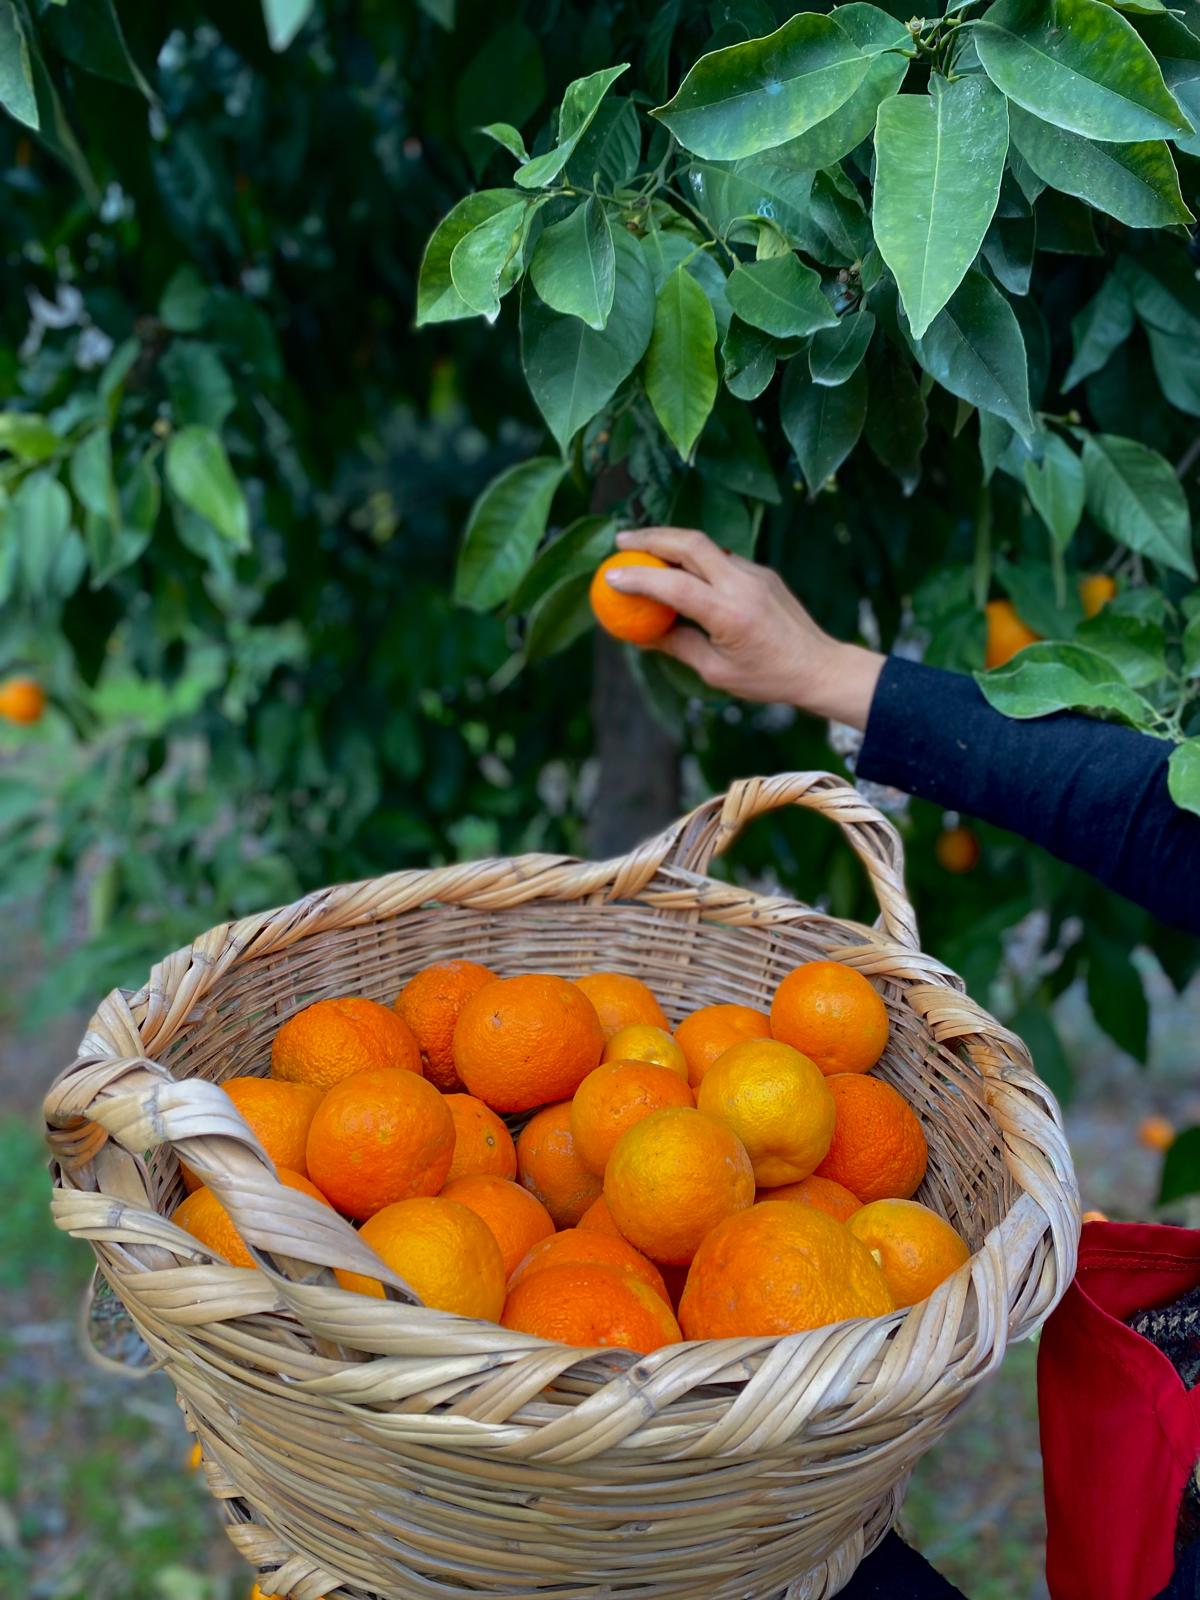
x=709 y=830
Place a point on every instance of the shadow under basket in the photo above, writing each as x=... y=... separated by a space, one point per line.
x=375 y=1448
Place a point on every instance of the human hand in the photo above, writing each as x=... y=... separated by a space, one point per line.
x=758 y=641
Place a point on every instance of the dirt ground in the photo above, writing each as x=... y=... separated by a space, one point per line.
x=95 y=1501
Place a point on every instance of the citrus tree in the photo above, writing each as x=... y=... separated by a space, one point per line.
x=907 y=311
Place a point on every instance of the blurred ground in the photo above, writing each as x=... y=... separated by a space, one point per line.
x=95 y=1503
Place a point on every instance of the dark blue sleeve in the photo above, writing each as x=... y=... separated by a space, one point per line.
x=1092 y=793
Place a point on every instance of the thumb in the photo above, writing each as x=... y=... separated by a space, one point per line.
x=694 y=649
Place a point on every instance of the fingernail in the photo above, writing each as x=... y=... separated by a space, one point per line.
x=626 y=539
x=617 y=579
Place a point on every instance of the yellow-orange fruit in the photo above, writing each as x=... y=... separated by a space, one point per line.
x=614 y=1097
x=430 y=1003
x=633 y=617
x=378 y=1137
x=517 y=1218
x=588 y=1249
x=481 y=1141
x=333 y=1039
x=22 y=700
x=957 y=850
x=203 y=1216
x=279 y=1113
x=831 y=1014
x=915 y=1248
x=549 y=1166
x=526 y=1041
x=586 y=1306
x=1006 y=633
x=599 y=1219
x=1156 y=1133
x=832 y=1198
x=621 y=1001
x=878 y=1150
x=447 y=1255
x=641 y=1042
x=709 y=1032
x=778 y=1104
x=1095 y=591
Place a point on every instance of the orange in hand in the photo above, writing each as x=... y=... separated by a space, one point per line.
x=832 y=1015
x=620 y=1001
x=709 y=1032
x=379 y=1137
x=671 y=1178
x=446 y=1255
x=332 y=1039
x=526 y=1041
x=614 y=1097
x=915 y=1248
x=203 y=1216
x=632 y=617
x=549 y=1166
x=585 y=1305
x=517 y=1219
x=279 y=1113
x=878 y=1150
x=776 y=1102
x=430 y=1003
x=589 y=1249
x=481 y=1141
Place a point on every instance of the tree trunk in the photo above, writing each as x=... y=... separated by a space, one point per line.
x=638 y=788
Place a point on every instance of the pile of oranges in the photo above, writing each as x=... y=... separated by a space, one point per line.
x=745 y=1175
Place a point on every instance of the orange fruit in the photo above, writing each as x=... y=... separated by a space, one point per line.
x=446 y=1254
x=777 y=1103
x=517 y=1219
x=430 y=1003
x=481 y=1141
x=22 y=700
x=1006 y=633
x=915 y=1248
x=1094 y=1216
x=640 y=1041
x=671 y=1178
x=599 y=1219
x=779 y=1269
x=379 y=1137
x=621 y=1001
x=709 y=1032
x=957 y=849
x=203 y=1216
x=585 y=1305
x=832 y=1198
x=614 y=1097
x=524 y=1042
x=831 y=1014
x=1096 y=589
x=259 y=1593
x=632 y=617
x=878 y=1150
x=195 y=1457
x=332 y=1039
x=589 y=1249
x=1156 y=1133
x=548 y=1165
x=279 y=1113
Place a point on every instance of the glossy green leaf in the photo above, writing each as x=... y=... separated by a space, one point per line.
x=838 y=212
x=1136 y=183
x=748 y=356
x=1177 y=368
x=1183 y=775
x=89 y=34
x=756 y=95
x=17 y=94
x=437 y=298
x=1079 y=65
x=28 y=436
x=1055 y=486
x=579 y=105
x=897 y=420
x=508 y=138
x=1049 y=677
x=681 y=366
x=1181 y=1168
x=38 y=522
x=1099 y=329
x=573 y=370
x=611 y=148
x=974 y=348
x=1134 y=495
x=199 y=387
x=1029 y=584
x=183 y=302
x=837 y=352
x=486 y=262
x=939 y=161
x=1191 y=647
x=574 y=267
x=881 y=37
x=1136 y=646
x=284 y=19
x=781 y=296
x=1008 y=248
x=199 y=474
x=561 y=616
x=578 y=549
x=731 y=453
x=759 y=186
x=822 y=424
x=91 y=475
x=503 y=531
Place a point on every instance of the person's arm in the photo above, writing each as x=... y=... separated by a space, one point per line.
x=1092 y=793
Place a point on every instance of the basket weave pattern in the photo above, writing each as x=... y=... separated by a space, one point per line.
x=376 y=1448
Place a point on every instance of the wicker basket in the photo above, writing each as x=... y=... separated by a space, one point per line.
x=376 y=1448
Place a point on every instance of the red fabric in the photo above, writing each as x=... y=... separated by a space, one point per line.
x=1120 y=1433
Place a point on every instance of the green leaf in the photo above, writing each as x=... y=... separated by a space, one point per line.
x=574 y=267
x=1055 y=485
x=822 y=425
x=17 y=94
x=1034 y=1024
x=486 y=262
x=1191 y=647
x=1099 y=329
x=579 y=549
x=1181 y=1168
x=509 y=137
x=896 y=424
x=579 y=106
x=1116 y=995
x=732 y=453
x=560 y=617
x=758 y=187
x=183 y=302
x=573 y=370
x=881 y=37
x=974 y=348
x=1177 y=368
x=88 y=33
x=748 y=355
x=835 y=353
x=1134 y=495
x=1136 y=183
x=757 y=95
x=611 y=149
x=702 y=502
x=838 y=211
x=28 y=436
x=1049 y=677
x=1080 y=65
x=284 y=19
x=939 y=161
x=1136 y=646
x=200 y=388
x=92 y=476
x=38 y=521
x=442 y=11
x=666 y=249
x=1065 y=226
x=781 y=296
x=199 y=474
x=437 y=298
x=503 y=531
x=681 y=366
x=1183 y=775
x=1008 y=248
